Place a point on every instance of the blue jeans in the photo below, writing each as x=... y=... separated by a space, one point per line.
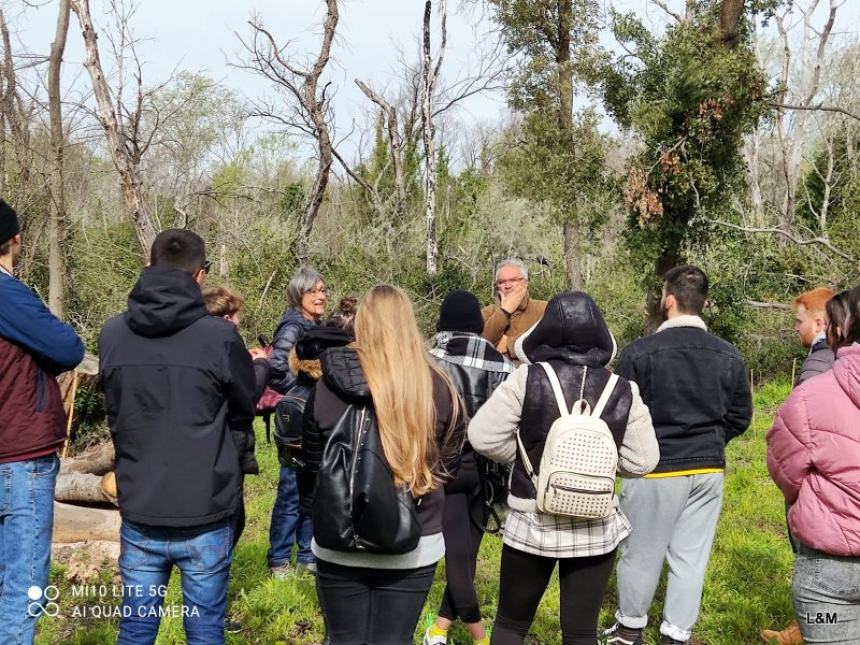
x=826 y=591
x=203 y=555
x=289 y=525
x=26 y=524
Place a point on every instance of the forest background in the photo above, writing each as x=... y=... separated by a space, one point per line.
x=632 y=137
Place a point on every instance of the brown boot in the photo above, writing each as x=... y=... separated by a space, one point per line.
x=788 y=636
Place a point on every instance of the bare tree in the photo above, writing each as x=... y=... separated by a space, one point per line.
x=121 y=124
x=57 y=216
x=310 y=111
x=430 y=74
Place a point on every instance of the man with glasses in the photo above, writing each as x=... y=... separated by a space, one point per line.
x=513 y=312
x=179 y=393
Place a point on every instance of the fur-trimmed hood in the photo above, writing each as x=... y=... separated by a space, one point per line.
x=309 y=367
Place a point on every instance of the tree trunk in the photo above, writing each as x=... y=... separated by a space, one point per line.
x=97 y=460
x=430 y=74
x=57 y=215
x=654 y=312
x=127 y=167
x=80 y=523
x=80 y=487
x=572 y=257
x=572 y=261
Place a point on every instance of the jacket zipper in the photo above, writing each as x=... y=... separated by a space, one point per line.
x=40 y=390
x=355 y=467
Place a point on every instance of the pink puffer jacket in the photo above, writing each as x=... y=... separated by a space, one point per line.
x=813 y=455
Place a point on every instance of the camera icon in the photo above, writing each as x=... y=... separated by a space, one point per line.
x=42 y=601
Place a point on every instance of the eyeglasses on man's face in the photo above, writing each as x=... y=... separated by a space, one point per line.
x=509 y=281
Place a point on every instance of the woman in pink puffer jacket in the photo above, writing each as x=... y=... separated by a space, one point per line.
x=814 y=457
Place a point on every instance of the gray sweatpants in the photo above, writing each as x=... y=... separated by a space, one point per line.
x=674 y=519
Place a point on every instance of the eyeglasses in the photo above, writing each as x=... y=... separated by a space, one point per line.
x=321 y=291
x=502 y=283
x=207 y=265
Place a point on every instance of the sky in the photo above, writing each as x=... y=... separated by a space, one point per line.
x=200 y=36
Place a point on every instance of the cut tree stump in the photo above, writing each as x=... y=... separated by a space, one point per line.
x=80 y=523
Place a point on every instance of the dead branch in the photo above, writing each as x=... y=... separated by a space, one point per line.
x=790 y=237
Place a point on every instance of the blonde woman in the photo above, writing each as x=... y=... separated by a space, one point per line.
x=377 y=597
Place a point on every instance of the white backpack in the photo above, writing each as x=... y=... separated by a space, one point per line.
x=580 y=458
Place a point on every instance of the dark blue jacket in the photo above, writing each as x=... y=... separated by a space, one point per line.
x=697 y=390
x=293 y=326
x=35 y=346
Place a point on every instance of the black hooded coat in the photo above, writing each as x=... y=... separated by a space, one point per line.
x=179 y=393
x=573 y=338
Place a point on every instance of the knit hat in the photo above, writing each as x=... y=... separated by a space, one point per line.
x=460 y=312
x=8 y=222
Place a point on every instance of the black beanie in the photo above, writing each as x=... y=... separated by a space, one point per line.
x=8 y=222
x=460 y=312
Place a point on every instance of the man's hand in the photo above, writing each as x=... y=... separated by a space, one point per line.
x=513 y=299
x=257 y=352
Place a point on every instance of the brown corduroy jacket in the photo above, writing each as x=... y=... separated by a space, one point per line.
x=498 y=323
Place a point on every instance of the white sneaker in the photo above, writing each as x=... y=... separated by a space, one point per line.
x=281 y=572
x=434 y=640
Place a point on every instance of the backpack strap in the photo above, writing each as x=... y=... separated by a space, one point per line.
x=604 y=397
x=556 y=389
x=526 y=461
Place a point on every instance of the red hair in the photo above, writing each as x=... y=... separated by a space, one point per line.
x=815 y=301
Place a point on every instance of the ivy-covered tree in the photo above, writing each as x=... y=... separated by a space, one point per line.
x=690 y=96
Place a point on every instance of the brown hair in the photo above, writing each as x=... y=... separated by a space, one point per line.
x=344 y=316
x=221 y=301
x=814 y=301
x=852 y=323
x=837 y=314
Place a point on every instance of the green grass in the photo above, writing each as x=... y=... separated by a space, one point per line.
x=748 y=584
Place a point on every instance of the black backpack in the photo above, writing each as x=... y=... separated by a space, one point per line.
x=289 y=413
x=356 y=505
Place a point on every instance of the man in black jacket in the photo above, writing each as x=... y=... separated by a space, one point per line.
x=177 y=382
x=697 y=390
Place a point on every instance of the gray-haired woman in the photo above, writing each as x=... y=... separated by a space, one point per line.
x=307 y=294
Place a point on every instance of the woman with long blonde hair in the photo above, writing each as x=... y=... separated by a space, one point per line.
x=377 y=597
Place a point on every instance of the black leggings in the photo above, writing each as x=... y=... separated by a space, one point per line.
x=371 y=606
x=460 y=526
x=523 y=580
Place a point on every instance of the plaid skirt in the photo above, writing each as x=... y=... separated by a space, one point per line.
x=556 y=536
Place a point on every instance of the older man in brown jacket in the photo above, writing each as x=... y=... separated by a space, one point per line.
x=513 y=312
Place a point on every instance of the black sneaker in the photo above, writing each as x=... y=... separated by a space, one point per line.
x=668 y=640
x=232 y=627
x=618 y=634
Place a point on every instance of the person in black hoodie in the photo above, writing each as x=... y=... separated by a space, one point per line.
x=177 y=382
x=476 y=368
x=373 y=597
x=573 y=339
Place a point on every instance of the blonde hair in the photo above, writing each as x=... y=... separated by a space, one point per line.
x=221 y=301
x=399 y=372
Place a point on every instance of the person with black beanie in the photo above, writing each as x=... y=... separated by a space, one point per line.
x=476 y=368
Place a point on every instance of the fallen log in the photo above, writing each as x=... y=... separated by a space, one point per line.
x=97 y=460
x=80 y=487
x=80 y=523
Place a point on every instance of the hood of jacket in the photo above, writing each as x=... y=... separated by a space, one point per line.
x=572 y=330
x=341 y=370
x=163 y=302
x=846 y=369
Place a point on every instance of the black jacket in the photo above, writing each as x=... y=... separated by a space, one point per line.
x=176 y=382
x=292 y=327
x=339 y=386
x=573 y=338
x=697 y=389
